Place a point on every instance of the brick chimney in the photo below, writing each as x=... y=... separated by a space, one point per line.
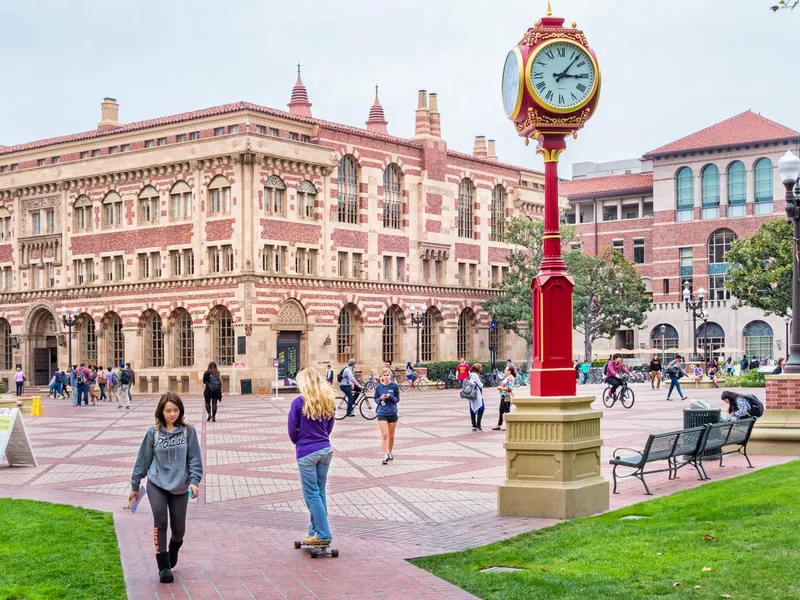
x=109 y=114
x=422 y=122
x=436 y=118
x=479 y=149
x=492 y=153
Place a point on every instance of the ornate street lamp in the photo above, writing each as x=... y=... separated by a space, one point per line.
x=417 y=317
x=663 y=344
x=69 y=318
x=789 y=171
x=787 y=319
x=695 y=307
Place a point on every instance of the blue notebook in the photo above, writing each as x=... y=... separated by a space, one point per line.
x=135 y=503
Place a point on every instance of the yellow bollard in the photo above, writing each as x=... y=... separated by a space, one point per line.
x=36 y=407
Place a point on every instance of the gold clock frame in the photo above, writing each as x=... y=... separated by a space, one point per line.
x=542 y=103
x=520 y=78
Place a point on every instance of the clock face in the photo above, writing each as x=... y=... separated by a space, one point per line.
x=561 y=76
x=512 y=83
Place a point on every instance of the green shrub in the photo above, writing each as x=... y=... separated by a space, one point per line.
x=437 y=371
x=751 y=379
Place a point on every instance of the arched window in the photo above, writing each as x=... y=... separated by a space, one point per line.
x=430 y=335
x=710 y=336
x=180 y=201
x=758 y=339
x=348 y=190
x=664 y=340
x=346 y=335
x=306 y=196
x=710 y=191
x=466 y=327
x=391 y=334
x=684 y=194
x=184 y=339
x=224 y=337
x=737 y=189
x=148 y=206
x=466 y=195
x=718 y=244
x=6 y=349
x=391 y=197
x=498 y=213
x=112 y=210
x=87 y=334
x=153 y=341
x=82 y=214
x=219 y=196
x=763 y=186
x=275 y=196
x=115 y=340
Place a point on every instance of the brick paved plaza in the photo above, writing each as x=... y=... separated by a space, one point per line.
x=438 y=495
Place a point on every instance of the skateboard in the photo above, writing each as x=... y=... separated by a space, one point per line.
x=316 y=551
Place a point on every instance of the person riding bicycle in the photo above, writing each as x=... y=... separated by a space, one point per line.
x=388 y=365
x=411 y=373
x=614 y=372
x=349 y=385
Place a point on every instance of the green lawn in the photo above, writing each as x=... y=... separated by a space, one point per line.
x=52 y=551
x=738 y=538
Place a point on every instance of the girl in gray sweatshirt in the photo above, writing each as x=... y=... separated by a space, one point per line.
x=170 y=459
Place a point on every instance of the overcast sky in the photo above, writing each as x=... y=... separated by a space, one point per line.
x=669 y=67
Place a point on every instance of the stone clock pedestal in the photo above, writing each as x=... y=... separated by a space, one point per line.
x=553 y=459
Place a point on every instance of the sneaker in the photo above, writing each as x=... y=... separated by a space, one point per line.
x=496 y=428
x=385 y=460
x=118 y=407
x=351 y=415
x=474 y=428
x=127 y=408
x=208 y=418
x=390 y=456
x=313 y=540
x=214 y=419
x=669 y=399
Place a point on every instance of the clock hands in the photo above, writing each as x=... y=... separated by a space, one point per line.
x=578 y=76
x=563 y=73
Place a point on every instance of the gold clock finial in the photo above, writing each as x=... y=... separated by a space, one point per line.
x=549 y=10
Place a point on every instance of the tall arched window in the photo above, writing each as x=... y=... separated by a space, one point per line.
x=306 y=196
x=347 y=188
x=466 y=195
x=391 y=197
x=664 y=340
x=224 y=337
x=737 y=189
x=88 y=340
x=275 y=196
x=184 y=339
x=391 y=335
x=82 y=214
x=346 y=335
x=112 y=210
x=710 y=191
x=762 y=177
x=148 y=206
x=153 y=341
x=115 y=340
x=6 y=349
x=718 y=244
x=219 y=196
x=684 y=194
x=180 y=201
x=430 y=336
x=710 y=336
x=498 y=213
x=758 y=339
x=466 y=323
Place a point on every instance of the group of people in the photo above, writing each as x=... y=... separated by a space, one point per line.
x=84 y=384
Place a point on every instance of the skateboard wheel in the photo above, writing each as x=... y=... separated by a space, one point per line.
x=335 y=553
x=314 y=554
x=297 y=545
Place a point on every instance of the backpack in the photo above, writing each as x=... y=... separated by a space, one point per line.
x=214 y=383
x=340 y=376
x=124 y=377
x=605 y=370
x=101 y=378
x=80 y=378
x=469 y=391
x=756 y=406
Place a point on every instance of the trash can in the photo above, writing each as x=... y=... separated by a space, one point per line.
x=697 y=417
x=247 y=386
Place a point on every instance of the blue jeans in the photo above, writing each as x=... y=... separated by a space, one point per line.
x=351 y=398
x=674 y=383
x=83 y=392
x=314 y=477
x=585 y=377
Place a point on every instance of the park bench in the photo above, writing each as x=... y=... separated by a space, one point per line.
x=727 y=434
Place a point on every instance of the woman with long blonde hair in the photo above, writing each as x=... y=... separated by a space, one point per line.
x=310 y=425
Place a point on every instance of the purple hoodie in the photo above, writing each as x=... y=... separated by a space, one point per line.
x=306 y=434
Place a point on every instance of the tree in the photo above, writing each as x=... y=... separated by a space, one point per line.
x=609 y=295
x=760 y=271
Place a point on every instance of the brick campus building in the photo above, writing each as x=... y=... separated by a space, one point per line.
x=676 y=218
x=241 y=233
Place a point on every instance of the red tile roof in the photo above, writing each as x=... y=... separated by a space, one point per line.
x=745 y=128
x=607 y=186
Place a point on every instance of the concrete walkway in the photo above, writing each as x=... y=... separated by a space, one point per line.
x=437 y=496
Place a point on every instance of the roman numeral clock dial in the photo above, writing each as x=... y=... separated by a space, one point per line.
x=561 y=76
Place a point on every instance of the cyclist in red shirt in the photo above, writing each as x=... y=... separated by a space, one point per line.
x=462 y=371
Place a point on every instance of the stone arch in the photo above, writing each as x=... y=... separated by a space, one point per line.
x=292 y=337
x=113 y=338
x=43 y=339
x=291 y=316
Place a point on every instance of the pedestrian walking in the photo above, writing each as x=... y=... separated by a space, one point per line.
x=329 y=375
x=585 y=366
x=349 y=385
x=310 y=423
x=213 y=390
x=123 y=393
x=577 y=367
x=675 y=371
x=94 y=393
x=52 y=391
x=506 y=388
x=19 y=379
x=81 y=375
x=102 y=382
x=133 y=380
x=170 y=458
x=476 y=406
x=387 y=395
x=655 y=373
x=462 y=371
x=112 y=384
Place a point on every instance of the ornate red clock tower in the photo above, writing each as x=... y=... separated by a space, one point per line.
x=551 y=84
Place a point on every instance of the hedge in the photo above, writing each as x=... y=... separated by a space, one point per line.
x=437 y=371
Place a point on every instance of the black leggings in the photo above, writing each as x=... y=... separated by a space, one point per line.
x=161 y=502
x=477 y=418
x=211 y=402
x=505 y=407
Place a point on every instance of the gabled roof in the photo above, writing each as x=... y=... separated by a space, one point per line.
x=607 y=186
x=745 y=128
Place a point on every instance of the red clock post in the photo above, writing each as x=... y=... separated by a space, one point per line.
x=551 y=85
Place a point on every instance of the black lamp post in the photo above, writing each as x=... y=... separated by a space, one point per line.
x=695 y=307
x=417 y=318
x=492 y=347
x=787 y=319
x=704 y=317
x=789 y=171
x=69 y=318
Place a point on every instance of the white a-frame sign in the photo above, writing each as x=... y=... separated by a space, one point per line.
x=14 y=442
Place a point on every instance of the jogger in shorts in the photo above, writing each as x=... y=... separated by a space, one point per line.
x=387 y=395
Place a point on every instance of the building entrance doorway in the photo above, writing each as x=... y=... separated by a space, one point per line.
x=292 y=347
x=42 y=346
x=288 y=354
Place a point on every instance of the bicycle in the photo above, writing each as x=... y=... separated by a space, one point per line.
x=420 y=383
x=366 y=406
x=624 y=394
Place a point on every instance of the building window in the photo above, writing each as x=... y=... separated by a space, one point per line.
x=499 y=213
x=50 y=220
x=148 y=206
x=710 y=191
x=261 y=129
x=305 y=138
x=345 y=336
x=224 y=338
x=341 y=264
x=718 y=245
x=664 y=341
x=610 y=212
x=5 y=224
x=112 y=210
x=293 y=136
x=684 y=194
x=618 y=245
x=465 y=331
x=82 y=214
x=466 y=194
x=274 y=132
x=149 y=143
x=357 y=260
x=113 y=268
x=710 y=336
x=387 y=268
x=180 y=201
x=88 y=341
x=50 y=275
x=219 y=131
x=227 y=259
x=686 y=267
x=113 y=149
x=347 y=190
x=116 y=340
x=181 y=137
x=54 y=160
x=13 y=167
x=275 y=195
x=36 y=223
x=194 y=136
x=758 y=339
x=306 y=196
x=311 y=264
x=638 y=251
x=84 y=154
x=185 y=339
x=150 y=265
x=80 y=272
x=300 y=261
x=273 y=258
x=125 y=148
x=666 y=285
x=154 y=341
x=401 y=268
x=233 y=129
x=430 y=338
x=219 y=196
x=737 y=189
x=40 y=162
x=391 y=197
x=214 y=260
x=7 y=356
x=763 y=187
x=391 y=334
